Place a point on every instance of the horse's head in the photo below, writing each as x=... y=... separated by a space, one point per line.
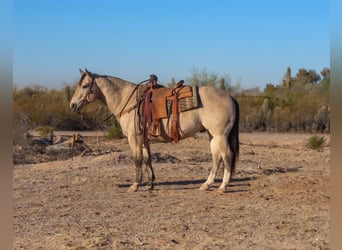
x=86 y=91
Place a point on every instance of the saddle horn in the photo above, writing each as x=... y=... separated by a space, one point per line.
x=153 y=80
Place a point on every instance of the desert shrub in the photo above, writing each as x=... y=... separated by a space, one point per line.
x=21 y=126
x=44 y=131
x=316 y=142
x=114 y=132
x=300 y=103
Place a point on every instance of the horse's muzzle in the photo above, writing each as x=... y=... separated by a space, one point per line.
x=75 y=107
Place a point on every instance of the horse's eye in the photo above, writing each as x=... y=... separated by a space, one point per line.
x=85 y=86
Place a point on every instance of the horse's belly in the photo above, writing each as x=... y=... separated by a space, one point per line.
x=159 y=138
x=189 y=125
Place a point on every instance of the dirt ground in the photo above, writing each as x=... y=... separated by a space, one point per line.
x=278 y=199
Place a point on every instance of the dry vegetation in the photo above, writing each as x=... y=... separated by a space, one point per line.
x=300 y=103
x=74 y=197
x=278 y=199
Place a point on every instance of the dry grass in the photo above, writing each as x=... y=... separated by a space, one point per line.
x=279 y=199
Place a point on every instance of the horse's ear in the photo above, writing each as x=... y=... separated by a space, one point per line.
x=88 y=72
x=81 y=72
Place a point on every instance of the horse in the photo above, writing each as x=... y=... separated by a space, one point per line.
x=218 y=115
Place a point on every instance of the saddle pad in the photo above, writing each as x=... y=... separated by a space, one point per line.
x=188 y=102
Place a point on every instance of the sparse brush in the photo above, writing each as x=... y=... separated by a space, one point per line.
x=44 y=131
x=316 y=142
x=114 y=132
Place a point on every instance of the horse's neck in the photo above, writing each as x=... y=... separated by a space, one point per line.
x=115 y=92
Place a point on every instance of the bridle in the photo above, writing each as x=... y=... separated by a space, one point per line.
x=86 y=97
x=124 y=109
x=89 y=87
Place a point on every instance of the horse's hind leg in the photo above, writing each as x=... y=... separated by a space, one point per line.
x=216 y=159
x=148 y=163
x=227 y=163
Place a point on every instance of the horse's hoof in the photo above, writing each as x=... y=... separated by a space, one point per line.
x=221 y=190
x=133 y=188
x=204 y=187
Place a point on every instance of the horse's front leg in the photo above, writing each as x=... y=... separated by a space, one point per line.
x=138 y=176
x=136 y=147
x=148 y=163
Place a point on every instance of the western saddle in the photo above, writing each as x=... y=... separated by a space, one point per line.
x=160 y=102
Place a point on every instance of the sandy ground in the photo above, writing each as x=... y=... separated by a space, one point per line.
x=278 y=199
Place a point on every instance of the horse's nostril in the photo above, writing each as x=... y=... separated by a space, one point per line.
x=73 y=106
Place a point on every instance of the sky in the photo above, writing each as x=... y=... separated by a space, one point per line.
x=253 y=42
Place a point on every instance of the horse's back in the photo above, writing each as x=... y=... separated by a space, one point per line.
x=213 y=97
x=216 y=113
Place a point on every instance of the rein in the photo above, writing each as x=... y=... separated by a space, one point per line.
x=129 y=109
x=125 y=110
x=96 y=124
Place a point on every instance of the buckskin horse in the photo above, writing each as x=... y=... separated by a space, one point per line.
x=218 y=114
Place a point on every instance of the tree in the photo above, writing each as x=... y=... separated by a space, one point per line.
x=172 y=82
x=307 y=76
x=325 y=73
x=204 y=78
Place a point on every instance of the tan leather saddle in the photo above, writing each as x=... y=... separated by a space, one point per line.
x=160 y=103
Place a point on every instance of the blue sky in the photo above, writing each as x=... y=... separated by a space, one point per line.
x=251 y=41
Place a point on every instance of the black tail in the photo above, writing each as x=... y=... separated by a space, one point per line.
x=233 y=137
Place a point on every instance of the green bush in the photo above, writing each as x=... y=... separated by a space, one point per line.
x=114 y=132
x=316 y=142
x=44 y=131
